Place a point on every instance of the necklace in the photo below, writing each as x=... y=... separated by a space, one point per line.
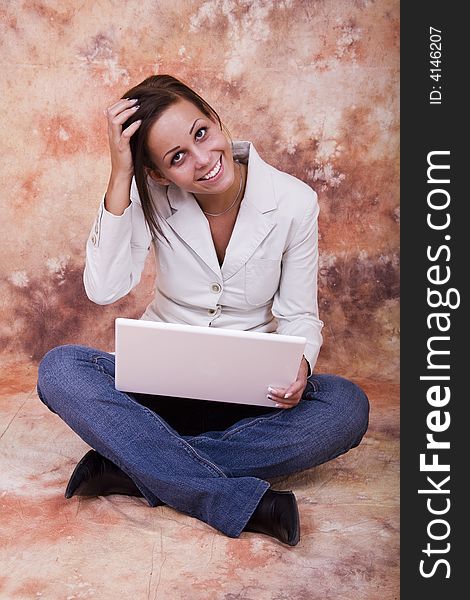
x=233 y=203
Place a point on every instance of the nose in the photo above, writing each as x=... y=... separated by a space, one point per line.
x=202 y=157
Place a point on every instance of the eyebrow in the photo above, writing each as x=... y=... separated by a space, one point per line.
x=190 y=132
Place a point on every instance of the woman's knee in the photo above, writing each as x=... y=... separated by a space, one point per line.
x=351 y=402
x=56 y=370
x=56 y=361
x=360 y=410
x=355 y=396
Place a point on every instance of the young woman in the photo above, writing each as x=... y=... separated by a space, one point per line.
x=236 y=246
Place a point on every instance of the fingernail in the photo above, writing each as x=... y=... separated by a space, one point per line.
x=270 y=389
x=132 y=99
x=288 y=395
x=269 y=397
x=136 y=106
x=278 y=405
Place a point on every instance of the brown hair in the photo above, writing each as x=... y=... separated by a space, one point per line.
x=155 y=95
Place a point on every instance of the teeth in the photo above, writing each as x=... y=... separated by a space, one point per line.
x=214 y=171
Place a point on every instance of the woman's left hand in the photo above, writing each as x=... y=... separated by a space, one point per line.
x=289 y=397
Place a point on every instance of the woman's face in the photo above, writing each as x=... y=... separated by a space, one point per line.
x=190 y=150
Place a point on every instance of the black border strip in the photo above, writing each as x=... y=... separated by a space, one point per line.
x=438 y=129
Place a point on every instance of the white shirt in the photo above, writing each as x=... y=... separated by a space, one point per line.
x=268 y=279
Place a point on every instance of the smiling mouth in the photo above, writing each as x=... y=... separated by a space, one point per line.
x=213 y=172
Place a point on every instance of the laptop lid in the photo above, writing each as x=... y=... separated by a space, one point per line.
x=206 y=363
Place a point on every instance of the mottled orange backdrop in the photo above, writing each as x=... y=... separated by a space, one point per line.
x=313 y=84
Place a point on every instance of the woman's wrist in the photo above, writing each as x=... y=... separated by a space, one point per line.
x=117 y=197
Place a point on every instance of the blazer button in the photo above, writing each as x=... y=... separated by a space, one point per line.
x=211 y=311
x=93 y=240
x=216 y=288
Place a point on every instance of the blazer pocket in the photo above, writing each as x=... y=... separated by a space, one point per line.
x=261 y=280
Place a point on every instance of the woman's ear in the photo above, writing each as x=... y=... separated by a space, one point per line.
x=157 y=177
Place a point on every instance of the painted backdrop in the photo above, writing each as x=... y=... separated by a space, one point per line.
x=314 y=84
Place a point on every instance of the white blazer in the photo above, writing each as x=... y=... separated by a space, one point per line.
x=267 y=282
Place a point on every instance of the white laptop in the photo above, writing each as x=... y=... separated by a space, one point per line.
x=207 y=363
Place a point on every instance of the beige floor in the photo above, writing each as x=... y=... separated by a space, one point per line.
x=118 y=547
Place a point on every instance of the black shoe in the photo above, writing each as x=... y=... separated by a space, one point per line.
x=277 y=515
x=95 y=475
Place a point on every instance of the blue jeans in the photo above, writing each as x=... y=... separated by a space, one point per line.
x=213 y=464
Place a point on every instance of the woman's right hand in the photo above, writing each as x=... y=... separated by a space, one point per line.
x=121 y=157
x=122 y=168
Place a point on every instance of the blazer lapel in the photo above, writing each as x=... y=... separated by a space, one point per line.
x=190 y=224
x=256 y=217
x=251 y=228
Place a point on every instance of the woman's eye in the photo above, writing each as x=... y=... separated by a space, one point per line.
x=175 y=158
x=200 y=133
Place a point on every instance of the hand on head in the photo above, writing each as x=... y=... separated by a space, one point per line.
x=119 y=137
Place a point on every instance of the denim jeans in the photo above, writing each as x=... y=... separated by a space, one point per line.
x=205 y=459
